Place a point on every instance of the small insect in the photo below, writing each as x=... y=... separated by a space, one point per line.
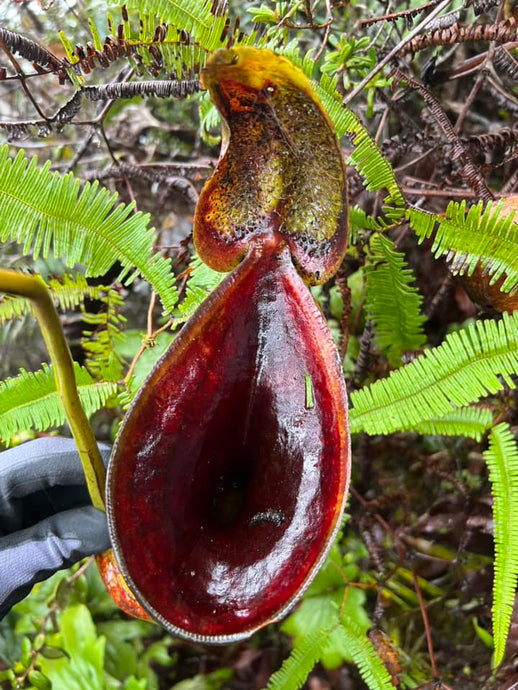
x=276 y=517
x=308 y=386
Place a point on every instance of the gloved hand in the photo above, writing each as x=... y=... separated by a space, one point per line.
x=47 y=521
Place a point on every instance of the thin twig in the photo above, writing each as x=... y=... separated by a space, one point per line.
x=21 y=76
x=426 y=624
x=398 y=15
x=152 y=302
x=330 y=20
x=469 y=101
x=147 y=342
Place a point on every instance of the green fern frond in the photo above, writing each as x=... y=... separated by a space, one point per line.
x=502 y=461
x=29 y=401
x=69 y=293
x=145 y=41
x=201 y=283
x=176 y=56
x=193 y=16
x=359 y=220
x=370 y=666
x=99 y=344
x=39 y=209
x=291 y=51
x=13 y=308
x=209 y=120
x=366 y=156
x=479 y=235
x=471 y=422
x=177 y=59
x=463 y=369
x=392 y=302
x=294 y=671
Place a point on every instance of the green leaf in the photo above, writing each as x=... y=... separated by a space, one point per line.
x=468 y=365
x=359 y=220
x=392 y=302
x=263 y=13
x=120 y=658
x=52 y=652
x=25 y=652
x=8 y=675
x=82 y=669
x=40 y=209
x=30 y=401
x=467 y=238
x=39 y=680
x=344 y=633
x=70 y=292
x=13 y=308
x=483 y=634
x=209 y=681
x=133 y=683
x=80 y=637
x=209 y=119
x=502 y=461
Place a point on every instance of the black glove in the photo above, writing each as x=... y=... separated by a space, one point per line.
x=47 y=521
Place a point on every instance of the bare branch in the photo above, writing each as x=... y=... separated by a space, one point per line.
x=30 y=50
x=178 y=88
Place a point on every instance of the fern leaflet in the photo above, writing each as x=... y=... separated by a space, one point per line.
x=193 y=16
x=359 y=220
x=370 y=666
x=464 y=368
x=294 y=671
x=102 y=359
x=38 y=208
x=366 y=157
x=69 y=292
x=480 y=235
x=13 y=308
x=392 y=302
x=502 y=461
x=471 y=422
x=201 y=283
x=30 y=401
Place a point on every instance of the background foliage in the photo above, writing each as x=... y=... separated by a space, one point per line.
x=419 y=589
